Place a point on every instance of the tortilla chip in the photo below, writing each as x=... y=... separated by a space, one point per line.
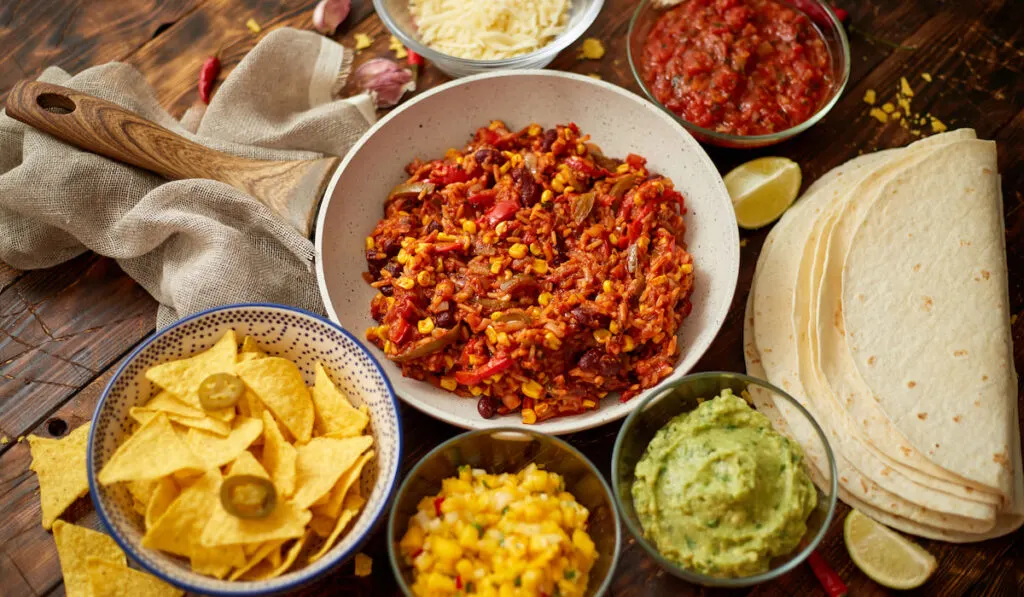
x=225 y=414
x=166 y=402
x=363 y=565
x=262 y=552
x=248 y=356
x=141 y=490
x=322 y=525
x=216 y=561
x=139 y=507
x=353 y=503
x=60 y=466
x=278 y=384
x=77 y=544
x=182 y=377
x=333 y=506
x=250 y=405
x=154 y=451
x=163 y=495
x=279 y=457
x=217 y=451
x=246 y=464
x=287 y=521
x=334 y=413
x=321 y=463
x=259 y=573
x=108 y=579
x=180 y=527
x=143 y=415
x=249 y=346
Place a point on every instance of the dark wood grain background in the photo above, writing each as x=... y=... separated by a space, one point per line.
x=64 y=330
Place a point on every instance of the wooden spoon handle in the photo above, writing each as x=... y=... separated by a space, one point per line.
x=291 y=188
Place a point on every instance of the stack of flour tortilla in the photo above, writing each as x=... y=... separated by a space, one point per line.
x=880 y=304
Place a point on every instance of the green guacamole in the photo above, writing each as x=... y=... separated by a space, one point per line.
x=720 y=492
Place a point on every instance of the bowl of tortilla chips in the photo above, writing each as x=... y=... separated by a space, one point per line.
x=245 y=450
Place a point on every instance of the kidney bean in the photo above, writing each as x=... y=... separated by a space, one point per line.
x=486 y=407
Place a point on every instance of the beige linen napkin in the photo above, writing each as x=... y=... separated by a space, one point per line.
x=192 y=244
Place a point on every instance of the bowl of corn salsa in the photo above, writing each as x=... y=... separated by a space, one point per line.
x=504 y=512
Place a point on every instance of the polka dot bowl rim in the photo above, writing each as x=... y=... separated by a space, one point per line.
x=376 y=507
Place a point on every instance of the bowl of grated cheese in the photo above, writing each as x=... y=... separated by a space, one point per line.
x=467 y=37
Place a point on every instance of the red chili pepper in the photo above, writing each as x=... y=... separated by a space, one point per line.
x=830 y=581
x=447 y=247
x=493 y=367
x=636 y=162
x=417 y=553
x=486 y=135
x=437 y=505
x=637 y=225
x=501 y=211
x=458 y=582
x=483 y=198
x=207 y=77
x=448 y=174
x=841 y=14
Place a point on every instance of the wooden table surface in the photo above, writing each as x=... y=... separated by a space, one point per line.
x=64 y=330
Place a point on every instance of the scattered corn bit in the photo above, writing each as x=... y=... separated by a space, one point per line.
x=888 y=108
x=879 y=115
x=927 y=77
x=4 y=440
x=937 y=125
x=905 y=87
x=397 y=47
x=253 y=26
x=594 y=76
x=364 y=564
x=592 y=49
x=869 y=97
x=363 y=41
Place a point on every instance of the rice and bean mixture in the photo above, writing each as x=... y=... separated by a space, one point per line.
x=531 y=272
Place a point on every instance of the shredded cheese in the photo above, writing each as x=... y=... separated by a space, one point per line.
x=489 y=30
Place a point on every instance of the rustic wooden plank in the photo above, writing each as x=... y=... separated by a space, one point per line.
x=1006 y=578
x=75 y=34
x=59 y=328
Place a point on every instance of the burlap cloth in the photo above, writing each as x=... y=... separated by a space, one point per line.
x=192 y=244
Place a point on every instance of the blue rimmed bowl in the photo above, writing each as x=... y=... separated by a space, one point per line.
x=297 y=335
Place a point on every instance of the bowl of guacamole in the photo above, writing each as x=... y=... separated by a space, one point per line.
x=712 y=486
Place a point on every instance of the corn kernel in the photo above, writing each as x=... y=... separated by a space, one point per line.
x=602 y=336
x=686 y=268
x=503 y=339
x=492 y=334
x=557 y=185
x=407 y=240
x=369 y=243
x=382 y=331
x=469 y=226
x=505 y=167
x=388 y=346
x=627 y=343
x=581 y=148
x=449 y=383
x=424 y=278
x=613 y=238
x=476 y=359
x=589 y=404
x=445 y=237
x=464 y=567
x=406 y=283
x=495 y=124
x=425 y=326
x=518 y=250
x=476 y=390
x=536 y=249
x=540 y=266
x=623 y=168
x=613 y=327
x=391 y=301
x=529 y=417
x=544 y=298
x=449 y=361
x=496 y=267
x=552 y=341
x=501 y=228
x=403 y=257
x=532 y=389
x=607 y=285
x=534 y=130
x=547 y=196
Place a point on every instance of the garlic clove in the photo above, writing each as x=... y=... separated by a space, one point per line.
x=329 y=14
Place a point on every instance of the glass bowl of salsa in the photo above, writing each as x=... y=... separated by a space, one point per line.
x=724 y=479
x=740 y=73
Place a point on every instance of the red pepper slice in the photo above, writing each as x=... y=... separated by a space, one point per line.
x=437 y=505
x=458 y=582
x=447 y=247
x=830 y=581
x=483 y=198
x=447 y=174
x=399 y=331
x=501 y=211
x=486 y=135
x=636 y=162
x=492 y=367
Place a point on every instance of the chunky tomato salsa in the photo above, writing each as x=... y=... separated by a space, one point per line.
x=745 y=67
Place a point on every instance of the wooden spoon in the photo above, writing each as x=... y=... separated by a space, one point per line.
x=292 y=189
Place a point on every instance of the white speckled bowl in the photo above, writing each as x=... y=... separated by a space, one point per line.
x=300 y=336
x=617 y=120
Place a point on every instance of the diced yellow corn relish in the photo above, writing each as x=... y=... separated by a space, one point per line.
x=516 y=534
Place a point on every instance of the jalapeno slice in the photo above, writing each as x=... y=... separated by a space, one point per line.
x=220 y=390
x=248 y=496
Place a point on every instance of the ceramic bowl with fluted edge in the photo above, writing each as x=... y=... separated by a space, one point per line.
x=509 y=450
x=299 y=336
x=396 y=17
x=618 y=121
x=683 y=396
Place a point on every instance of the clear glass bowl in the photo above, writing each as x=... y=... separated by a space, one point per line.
x=827 y=24
x=509 y=450
x=654 y=412
x=396 y=17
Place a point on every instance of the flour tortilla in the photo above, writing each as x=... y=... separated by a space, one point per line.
x=879 y=474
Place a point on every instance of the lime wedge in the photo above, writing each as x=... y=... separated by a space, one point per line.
x=884 y=555
x=762 y=190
